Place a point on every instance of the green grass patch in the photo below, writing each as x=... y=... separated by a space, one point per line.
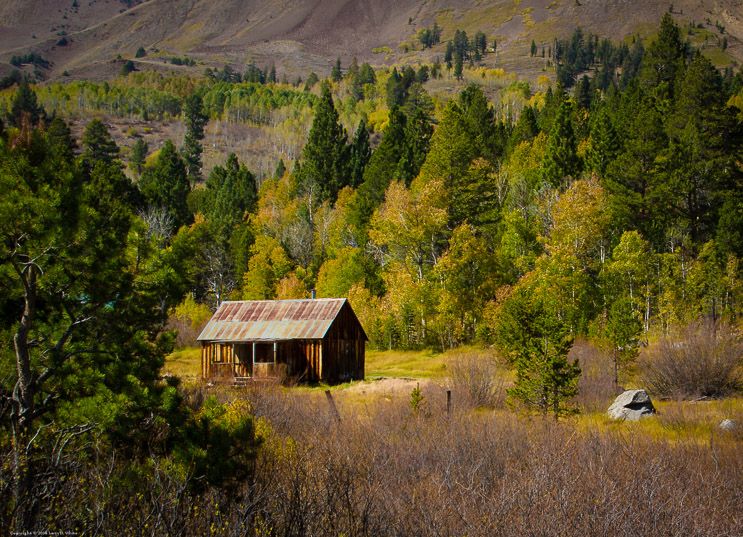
x=184 y=363
x=717 y=56
x=676 y=421
x=416 y=364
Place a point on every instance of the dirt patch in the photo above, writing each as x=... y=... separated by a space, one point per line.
x=391 y=388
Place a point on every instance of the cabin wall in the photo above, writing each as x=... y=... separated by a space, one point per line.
x=344 y=348
x=344 y=359
x=345 y=326
x=224 y=361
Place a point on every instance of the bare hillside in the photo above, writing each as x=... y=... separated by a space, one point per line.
x=83 y=38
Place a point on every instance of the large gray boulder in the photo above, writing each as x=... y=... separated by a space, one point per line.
x=631 y=406
x=727 y=425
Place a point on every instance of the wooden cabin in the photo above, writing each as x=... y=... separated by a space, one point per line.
x=314 y=339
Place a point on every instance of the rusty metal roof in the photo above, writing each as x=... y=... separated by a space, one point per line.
x=272 y=320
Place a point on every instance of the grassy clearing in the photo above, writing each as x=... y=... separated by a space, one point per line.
x=184 y=363
x=677 y=422
x=413 y=364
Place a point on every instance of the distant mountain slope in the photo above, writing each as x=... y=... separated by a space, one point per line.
x=300 y=36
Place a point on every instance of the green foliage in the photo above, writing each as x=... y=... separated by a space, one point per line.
x=634 y=178
x=336 y=74
x=83 y=301
x=360 y=153
x=127 y=68
x=99 y=146
x=418 y=403
x=312 y=79
x=561 y=160
x=230 y=193
x=60 y=139
x=195 y=120
x=325 y=157
x=429 y=36
x=24 y=103
x=138 y=156
x=165 y=185
x=664 y=58
x=450 y=159
x=539 y=344
x=624 y=329
x=267 y=266
x=604 y=143
x=337 y=276
x=219 y=445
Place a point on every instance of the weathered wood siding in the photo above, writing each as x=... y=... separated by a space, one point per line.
x=344 y=348
x=225 y=360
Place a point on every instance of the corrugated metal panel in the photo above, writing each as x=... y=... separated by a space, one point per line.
x=272 y=320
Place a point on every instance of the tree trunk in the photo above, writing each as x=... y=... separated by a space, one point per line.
x=23 y=402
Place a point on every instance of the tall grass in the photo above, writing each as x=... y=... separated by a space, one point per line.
x=703 y=360
x=384 y=471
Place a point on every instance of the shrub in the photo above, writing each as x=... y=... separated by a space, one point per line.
x=127 y=68
x=189 y=319
x=596 y=388
x=477 y=377
x=703 y=361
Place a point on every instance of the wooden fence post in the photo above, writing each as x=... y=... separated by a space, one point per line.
x=333 y=408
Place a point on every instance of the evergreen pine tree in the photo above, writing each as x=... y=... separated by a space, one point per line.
x=561 y=158
x=335 y=73
x=325 y=157
x=312 y=79
x=98 y=144
x=195 y=120
x=280 y=170
x=480 y=118
x=396 y=91
x=24 y=102
x=381 y=169
x=60 y=139
x=360 y=153
x=604 y=143
x=663 y=58
x=635 y=179
x=231 y=193
x=418 y=132
x=454 y=147
x=704 y=136
x=458 y=68
x=583 y=96
x=449 y=54
x=539 y=343
x=526 y=129
x=139 y=154
x=166 y=185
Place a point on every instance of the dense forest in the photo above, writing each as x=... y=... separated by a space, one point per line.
x=521 y=222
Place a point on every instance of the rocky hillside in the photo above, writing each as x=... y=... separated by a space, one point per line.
x=90 y=39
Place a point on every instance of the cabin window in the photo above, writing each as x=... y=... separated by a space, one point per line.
x=264 y=353
x=244 y=353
